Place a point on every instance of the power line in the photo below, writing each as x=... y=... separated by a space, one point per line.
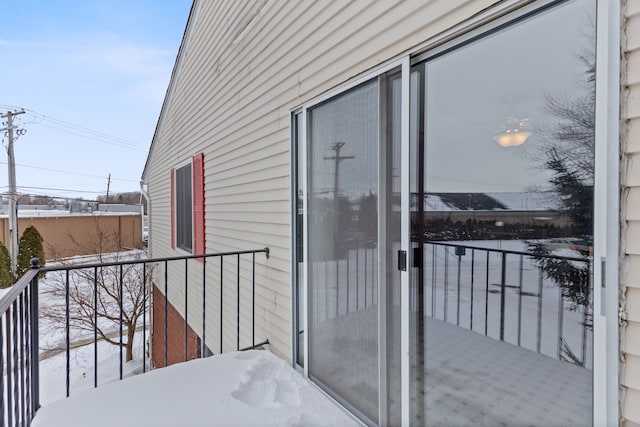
x=95 y=138
x=71 y=173
x=74 y=129
x=84 y=129
x=60 y=189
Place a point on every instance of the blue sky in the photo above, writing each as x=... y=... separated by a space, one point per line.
x=92 y=77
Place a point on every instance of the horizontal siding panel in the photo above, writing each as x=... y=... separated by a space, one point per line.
x=632 y=372
x=242 y=193
x=633 y=339
x=632 y=267
x=631 y=409
x=633 y=204
x=632 y=33
x=633 y=101
x=250 y=235
x=633 y=169
x=633 y=238
x=259 y=171
x=633 y=136
x=633 y=8
x=633 y=68
x=633 y=304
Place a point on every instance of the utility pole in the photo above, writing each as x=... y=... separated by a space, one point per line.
x=106 y=199
x=337 y=158
x=13 y=212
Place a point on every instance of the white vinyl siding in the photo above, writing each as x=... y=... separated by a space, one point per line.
x=245 y=66
x=630 y=274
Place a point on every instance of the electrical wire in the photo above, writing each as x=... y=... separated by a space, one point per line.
x=59 y=189
x=74 y=129
x=72 y=173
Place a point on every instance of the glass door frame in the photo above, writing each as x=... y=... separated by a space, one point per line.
x=403 y=65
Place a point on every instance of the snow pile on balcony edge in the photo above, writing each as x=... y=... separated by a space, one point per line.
x=253 y=388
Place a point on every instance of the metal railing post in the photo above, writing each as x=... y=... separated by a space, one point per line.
x=35 y=358
x=502 y=293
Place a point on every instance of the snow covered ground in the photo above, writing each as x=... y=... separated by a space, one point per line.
x=253 y=388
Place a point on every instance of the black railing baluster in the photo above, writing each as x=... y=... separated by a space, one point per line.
x=366 y=276
x=238 y=303
x=16 y=366
x=204 y=305
x=166 y=312
x=521 y=268
x=560 y=322
x=486 y=299
x=95 y=328
x=221 y=306
x=121 y=296
x=2 y=377
x=458 y=295
x=27 y=333
x=446 y=283
x=539 y=326
x=326 y=290
x=337 y=285
x=186 y=306
x=587 y=302
x=434 y=276
x=144 y=316
x=348 y=278
x=35 y=339
x=503 y=269
x=253 y=299
x=68 y=333
x=357 y=278
x=374 y=276
x=473 y=262
x=9 y=367
x=22 y=359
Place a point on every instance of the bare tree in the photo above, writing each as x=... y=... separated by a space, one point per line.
x=100 y=297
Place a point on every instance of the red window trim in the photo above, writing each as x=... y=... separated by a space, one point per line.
x=173 y=209
x=199 y=232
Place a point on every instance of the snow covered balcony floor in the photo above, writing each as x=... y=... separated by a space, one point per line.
x=251 y=388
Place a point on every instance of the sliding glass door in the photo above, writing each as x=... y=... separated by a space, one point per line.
x=444 y=223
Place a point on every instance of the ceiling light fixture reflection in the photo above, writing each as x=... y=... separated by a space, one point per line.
x=512 y=132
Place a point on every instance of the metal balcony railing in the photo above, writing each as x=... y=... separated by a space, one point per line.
x=21 y=314
x=537 y=300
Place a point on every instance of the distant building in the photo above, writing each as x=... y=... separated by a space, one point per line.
x=69 y=233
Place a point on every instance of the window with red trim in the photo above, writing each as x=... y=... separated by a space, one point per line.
x=187 y=206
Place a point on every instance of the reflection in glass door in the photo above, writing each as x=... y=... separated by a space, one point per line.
x=502 y=143
x=353 y=233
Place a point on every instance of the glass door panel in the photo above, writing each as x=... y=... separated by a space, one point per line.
x=353 y=231
x=502 y=147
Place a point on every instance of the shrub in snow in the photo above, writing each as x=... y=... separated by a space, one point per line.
x=29 y=246
x=6 y=278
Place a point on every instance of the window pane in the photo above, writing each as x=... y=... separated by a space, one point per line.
x=503 y=228
x=184 y=209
